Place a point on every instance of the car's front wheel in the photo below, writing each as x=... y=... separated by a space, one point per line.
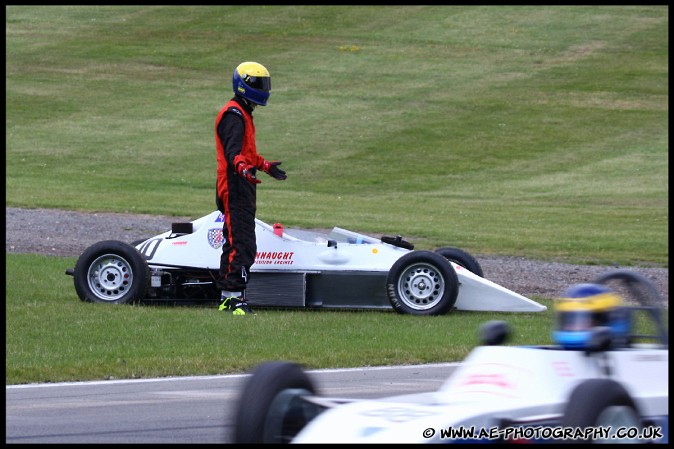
x=601 y=403
x=111 y=272
x=270 y=408
x=422 y=283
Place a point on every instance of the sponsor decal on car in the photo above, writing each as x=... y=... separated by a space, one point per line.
x=215 y=238
x=274 y=257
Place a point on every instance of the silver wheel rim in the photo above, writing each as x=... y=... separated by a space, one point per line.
x=110 y=277
x=421 y=286
x=615 y=417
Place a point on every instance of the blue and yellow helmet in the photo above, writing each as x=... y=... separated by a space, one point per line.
x=584 y=307
x=252 y=81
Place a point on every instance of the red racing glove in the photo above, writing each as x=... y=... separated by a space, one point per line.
x=271 y=168
x=247 y=172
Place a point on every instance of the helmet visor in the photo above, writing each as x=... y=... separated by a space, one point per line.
x=581 y=320
x=259 y=82
x=574 y=321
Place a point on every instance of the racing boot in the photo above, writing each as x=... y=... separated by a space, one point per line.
x=242 y=308
x=227 y=299
x=236 y=302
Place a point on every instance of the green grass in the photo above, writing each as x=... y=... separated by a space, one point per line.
x=530 y=131
x=52 y=336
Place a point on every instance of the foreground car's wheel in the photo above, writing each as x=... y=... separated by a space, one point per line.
x=422 y=283
x=270 y=408
x=461 y=257
x=600 y=403
x=111 y=272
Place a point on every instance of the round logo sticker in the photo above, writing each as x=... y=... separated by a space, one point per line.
x=215 y=238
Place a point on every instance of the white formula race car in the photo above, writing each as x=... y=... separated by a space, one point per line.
x=294 y=269
x=611 y=390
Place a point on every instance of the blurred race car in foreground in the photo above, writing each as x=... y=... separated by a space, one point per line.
x=296 y=269
x=599 y=382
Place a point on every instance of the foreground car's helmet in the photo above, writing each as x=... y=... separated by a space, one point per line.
x=584 y=307
x=252 y=82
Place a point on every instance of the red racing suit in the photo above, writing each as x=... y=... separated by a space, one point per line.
x=236 y=197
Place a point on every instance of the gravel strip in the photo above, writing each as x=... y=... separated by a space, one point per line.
x=68 y=233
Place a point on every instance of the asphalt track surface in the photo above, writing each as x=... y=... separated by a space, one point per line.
x=178 y=410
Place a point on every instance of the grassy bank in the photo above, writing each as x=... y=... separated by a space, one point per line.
x=530 y=131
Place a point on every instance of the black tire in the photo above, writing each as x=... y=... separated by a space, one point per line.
x=461 y=257
x=600 y=402
x=269 y=408
x=111 y=272
x=422 y=283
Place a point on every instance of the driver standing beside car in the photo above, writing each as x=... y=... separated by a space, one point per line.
x=238 y=162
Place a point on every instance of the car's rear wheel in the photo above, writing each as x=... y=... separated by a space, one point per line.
x=461 y=257
x=270 y=408
x=422 y=283
x=111 y=272
x=601 y=403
